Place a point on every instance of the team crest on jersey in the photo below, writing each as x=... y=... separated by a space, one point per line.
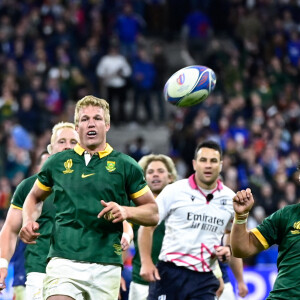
x=296 y=227
x=118 y=249
x=111 y=166
x=68 y=165
x=223 y=201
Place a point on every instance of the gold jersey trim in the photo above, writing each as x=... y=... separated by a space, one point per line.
x=108 y=149
x=143 y=191
x=42 y=186
x=17 y=207
x=260 y=237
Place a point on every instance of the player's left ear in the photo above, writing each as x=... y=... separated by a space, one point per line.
x=221 y=166
x=194 y=165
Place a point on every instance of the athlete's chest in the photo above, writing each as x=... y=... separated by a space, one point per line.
x=98 y=174
x=194 y=211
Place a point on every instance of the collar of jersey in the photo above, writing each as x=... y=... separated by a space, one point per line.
x=108 y=149
x=193 y=184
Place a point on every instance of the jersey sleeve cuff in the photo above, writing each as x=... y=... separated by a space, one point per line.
x=15 y=206
x=260 y=237
x=143 y=191
x=42 y=186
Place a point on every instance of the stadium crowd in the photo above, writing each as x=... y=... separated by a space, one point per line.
x=53 y=52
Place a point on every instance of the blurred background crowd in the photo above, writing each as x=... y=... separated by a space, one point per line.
x=54 y=52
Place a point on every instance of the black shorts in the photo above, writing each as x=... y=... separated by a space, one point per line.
x=179 y=283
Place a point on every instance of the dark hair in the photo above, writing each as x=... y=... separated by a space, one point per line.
x=209 y=144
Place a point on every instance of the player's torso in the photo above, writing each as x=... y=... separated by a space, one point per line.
x=194 y=227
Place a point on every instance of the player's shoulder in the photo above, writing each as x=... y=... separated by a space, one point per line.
x=181 y=184
x=226 y=191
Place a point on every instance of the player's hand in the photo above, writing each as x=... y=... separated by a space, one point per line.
x=3 y=275
x=223 y=253
x=125 y=242
x=221 y=288
x=243 y=201
x=149 y=272
x=112 y=211
x=242 y=289
x=28 y=232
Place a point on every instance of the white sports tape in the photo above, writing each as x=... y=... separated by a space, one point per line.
x=3 y=263
x=127 y=237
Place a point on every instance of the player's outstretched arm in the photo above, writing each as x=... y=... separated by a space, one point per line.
x=243 y=242
x=32 y=209
x=236 y=265
x=8 y=240
x=148 y=271
x=145 y=213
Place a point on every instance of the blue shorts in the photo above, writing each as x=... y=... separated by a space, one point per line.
x=179 y=283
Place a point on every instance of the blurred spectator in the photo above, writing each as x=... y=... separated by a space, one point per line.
x=196 y=32
x=114 y=71
x=5 y=195
x=137 y=148
x=143 y=78
x=27 y=114
x=128 y=28
x=160 y=62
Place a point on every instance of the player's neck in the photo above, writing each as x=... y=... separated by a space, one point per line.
x=92 y=149
x=205 y=186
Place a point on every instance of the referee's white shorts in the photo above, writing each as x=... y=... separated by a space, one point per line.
x=34 y=285
x=138 y=291
x=82 y=280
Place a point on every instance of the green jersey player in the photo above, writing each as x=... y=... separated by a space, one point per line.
x=90 y=182
x=281 y=228
x=159 y=171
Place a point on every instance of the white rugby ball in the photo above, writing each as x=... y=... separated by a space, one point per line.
x=190 y=85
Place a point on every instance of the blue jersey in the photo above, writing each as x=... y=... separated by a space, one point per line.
x=18 y=261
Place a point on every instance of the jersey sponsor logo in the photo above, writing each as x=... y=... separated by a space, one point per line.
x=86 y=175
x=204 y=222
x=296 y=227
x=111 y=166
x=118 y=249
x=68 y=165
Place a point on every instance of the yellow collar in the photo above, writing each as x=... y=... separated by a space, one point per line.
x=108 y=149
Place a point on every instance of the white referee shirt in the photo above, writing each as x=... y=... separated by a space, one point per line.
x=194 y=226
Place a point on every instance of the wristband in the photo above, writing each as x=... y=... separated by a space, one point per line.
x=241 y=217
x=239 y=222
x=127 y=237
x=3 y=263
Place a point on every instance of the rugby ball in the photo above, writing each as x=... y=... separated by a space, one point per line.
x=190 y=86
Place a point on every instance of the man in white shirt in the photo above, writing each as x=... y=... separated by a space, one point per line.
x=197 y=212
x=113 y=69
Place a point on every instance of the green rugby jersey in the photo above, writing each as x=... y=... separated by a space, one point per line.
x=283 y=228
x=36 y=254
x=158 y=237
x=110 y=176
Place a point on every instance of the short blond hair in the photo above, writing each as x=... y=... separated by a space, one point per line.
x=166 y=160
x=55 y=129
x=93 y=101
